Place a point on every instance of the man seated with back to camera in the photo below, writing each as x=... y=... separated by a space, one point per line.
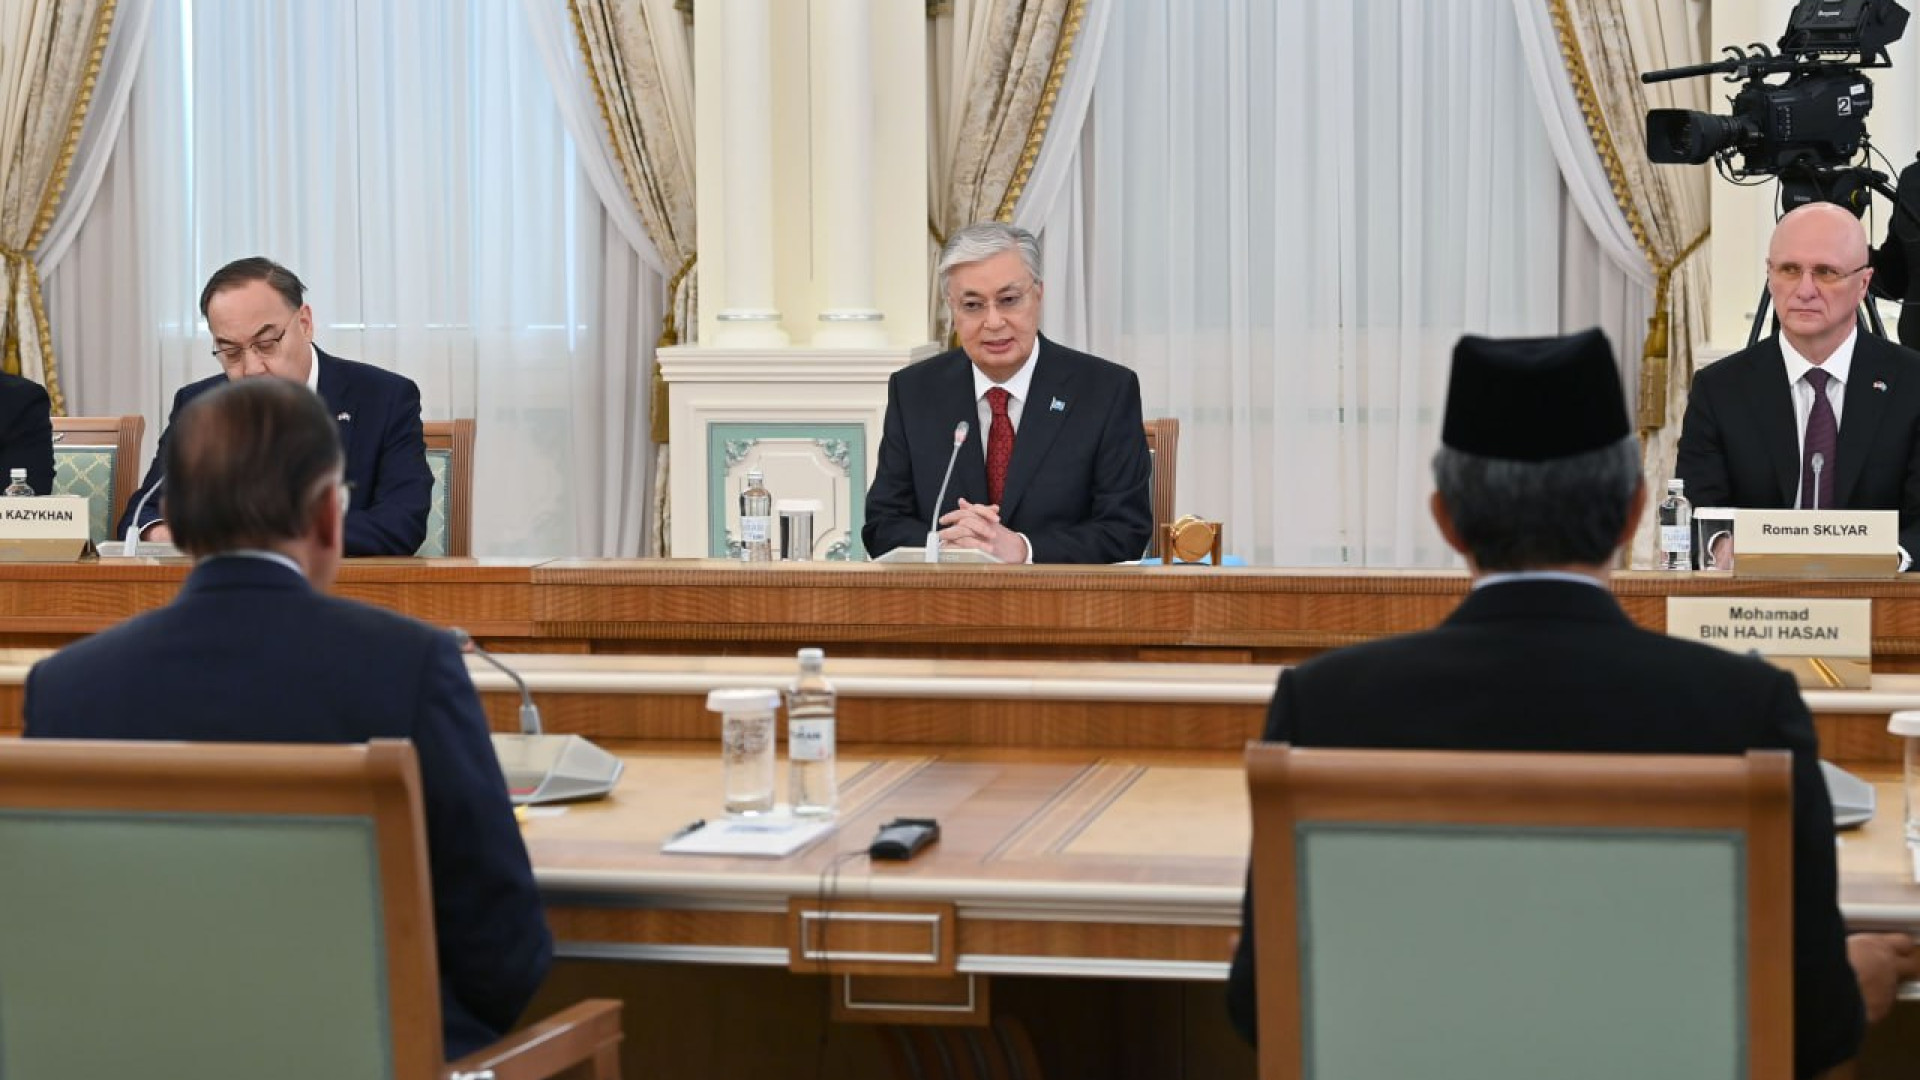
x=1055 y=466
x=262 y=326
x=254 y=650
x=1539 y=485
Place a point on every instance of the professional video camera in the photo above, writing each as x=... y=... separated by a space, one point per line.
x=1807 y=129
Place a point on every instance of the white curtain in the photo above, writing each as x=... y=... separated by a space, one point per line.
x=1287 y=215
x=409 y=162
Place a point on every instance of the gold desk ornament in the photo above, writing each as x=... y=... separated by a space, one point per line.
x=1191 y=540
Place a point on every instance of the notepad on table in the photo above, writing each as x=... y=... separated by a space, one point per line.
x=765 y=837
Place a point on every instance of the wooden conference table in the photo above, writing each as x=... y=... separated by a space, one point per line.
x=1093 y=813
x=709 y=607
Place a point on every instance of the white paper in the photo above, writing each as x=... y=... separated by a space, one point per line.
x=769 y=837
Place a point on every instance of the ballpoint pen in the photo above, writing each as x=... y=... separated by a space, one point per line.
x=688 y=829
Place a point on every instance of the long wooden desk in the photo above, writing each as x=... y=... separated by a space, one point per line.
x=703 y=607
x=942 y=703
x=1037 y=850
x=1060 y=865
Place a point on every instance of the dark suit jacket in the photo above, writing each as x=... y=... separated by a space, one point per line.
x=1739 y=445
x=1557 y=666
x=1079 y=485
x=379 y=415
x=26 y=432
x=249 y=652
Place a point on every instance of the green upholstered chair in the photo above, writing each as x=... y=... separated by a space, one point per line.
x=1454 y=915
x=229 y=911
x=450 y=516
x=98 y=457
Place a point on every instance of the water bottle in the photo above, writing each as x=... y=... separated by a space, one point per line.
x=1676 y=528
x=18 y=484
x=756 y=519
x=810 y=709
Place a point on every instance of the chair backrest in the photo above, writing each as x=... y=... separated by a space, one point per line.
x=215 y=910
x=1442 y=914
x=450 y=516
x=1163 y=445
x=98 y=457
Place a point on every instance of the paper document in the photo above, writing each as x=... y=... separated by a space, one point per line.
x=768 y=837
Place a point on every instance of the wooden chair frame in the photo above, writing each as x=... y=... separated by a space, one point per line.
x=121 y=432
x=379 y=781
x=456 y=436
x=1750 y=795
x=1163 y=442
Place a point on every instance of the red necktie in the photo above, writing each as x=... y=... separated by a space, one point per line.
x=1823 y=435
x=999 y=444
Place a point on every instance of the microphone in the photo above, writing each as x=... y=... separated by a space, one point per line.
x=541 y=768
x=1818 y=461
x=130 y=546
x=529 y=712
x=933 y=527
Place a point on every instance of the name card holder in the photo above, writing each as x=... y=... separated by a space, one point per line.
x=1816 y=543
x=44 y=528
x=1824 y=644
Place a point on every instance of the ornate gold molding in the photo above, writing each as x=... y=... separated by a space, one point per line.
x=50 y=198
x=1043 y=115
x=1656 y=351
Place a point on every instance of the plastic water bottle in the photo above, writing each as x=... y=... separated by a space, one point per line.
x=811 y=787
x=1676 y=528
x=18 y=483
x=756 y=519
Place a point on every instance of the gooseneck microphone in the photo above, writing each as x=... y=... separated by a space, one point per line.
x=529 y=712
x=933 y=527
x=1818 y=462
x=130 y=546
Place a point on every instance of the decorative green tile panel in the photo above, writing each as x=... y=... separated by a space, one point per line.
x=838 y=450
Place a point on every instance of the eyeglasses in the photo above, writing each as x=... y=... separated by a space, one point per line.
x=1791 y=273
x=266 y=347
x=1009 y=302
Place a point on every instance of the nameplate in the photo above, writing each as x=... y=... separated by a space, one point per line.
x=1824 y=643
x=44 y=528
x=1816 y=543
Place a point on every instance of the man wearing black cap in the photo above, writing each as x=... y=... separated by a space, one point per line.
x=1539 y=484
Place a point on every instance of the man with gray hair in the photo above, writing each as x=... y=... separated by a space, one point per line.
x=1053 y=467
x=1539 y=484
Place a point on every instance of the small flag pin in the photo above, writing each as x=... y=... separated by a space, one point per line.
x=1880 y=385
x=344 y=417
x=1057 y=406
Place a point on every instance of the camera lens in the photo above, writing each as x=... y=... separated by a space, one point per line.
x=1686 y=137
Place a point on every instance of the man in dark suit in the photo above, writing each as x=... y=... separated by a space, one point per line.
x=261 y=325
x=253 y=650
x=1757 y=420
x=1539 y=484
x=26 y=432
x=1054 y=467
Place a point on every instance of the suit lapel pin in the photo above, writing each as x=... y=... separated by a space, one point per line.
x=344 y=417
x=1057 y=406
x=1880 y=385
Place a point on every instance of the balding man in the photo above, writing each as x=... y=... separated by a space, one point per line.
x=1819 y=416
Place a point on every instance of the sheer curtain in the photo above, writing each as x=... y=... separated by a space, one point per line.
x=1288 y=213
x=409 y=162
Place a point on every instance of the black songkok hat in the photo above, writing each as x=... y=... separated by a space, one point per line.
x=1534 y=399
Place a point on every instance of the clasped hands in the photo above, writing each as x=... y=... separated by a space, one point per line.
x=977 y=526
